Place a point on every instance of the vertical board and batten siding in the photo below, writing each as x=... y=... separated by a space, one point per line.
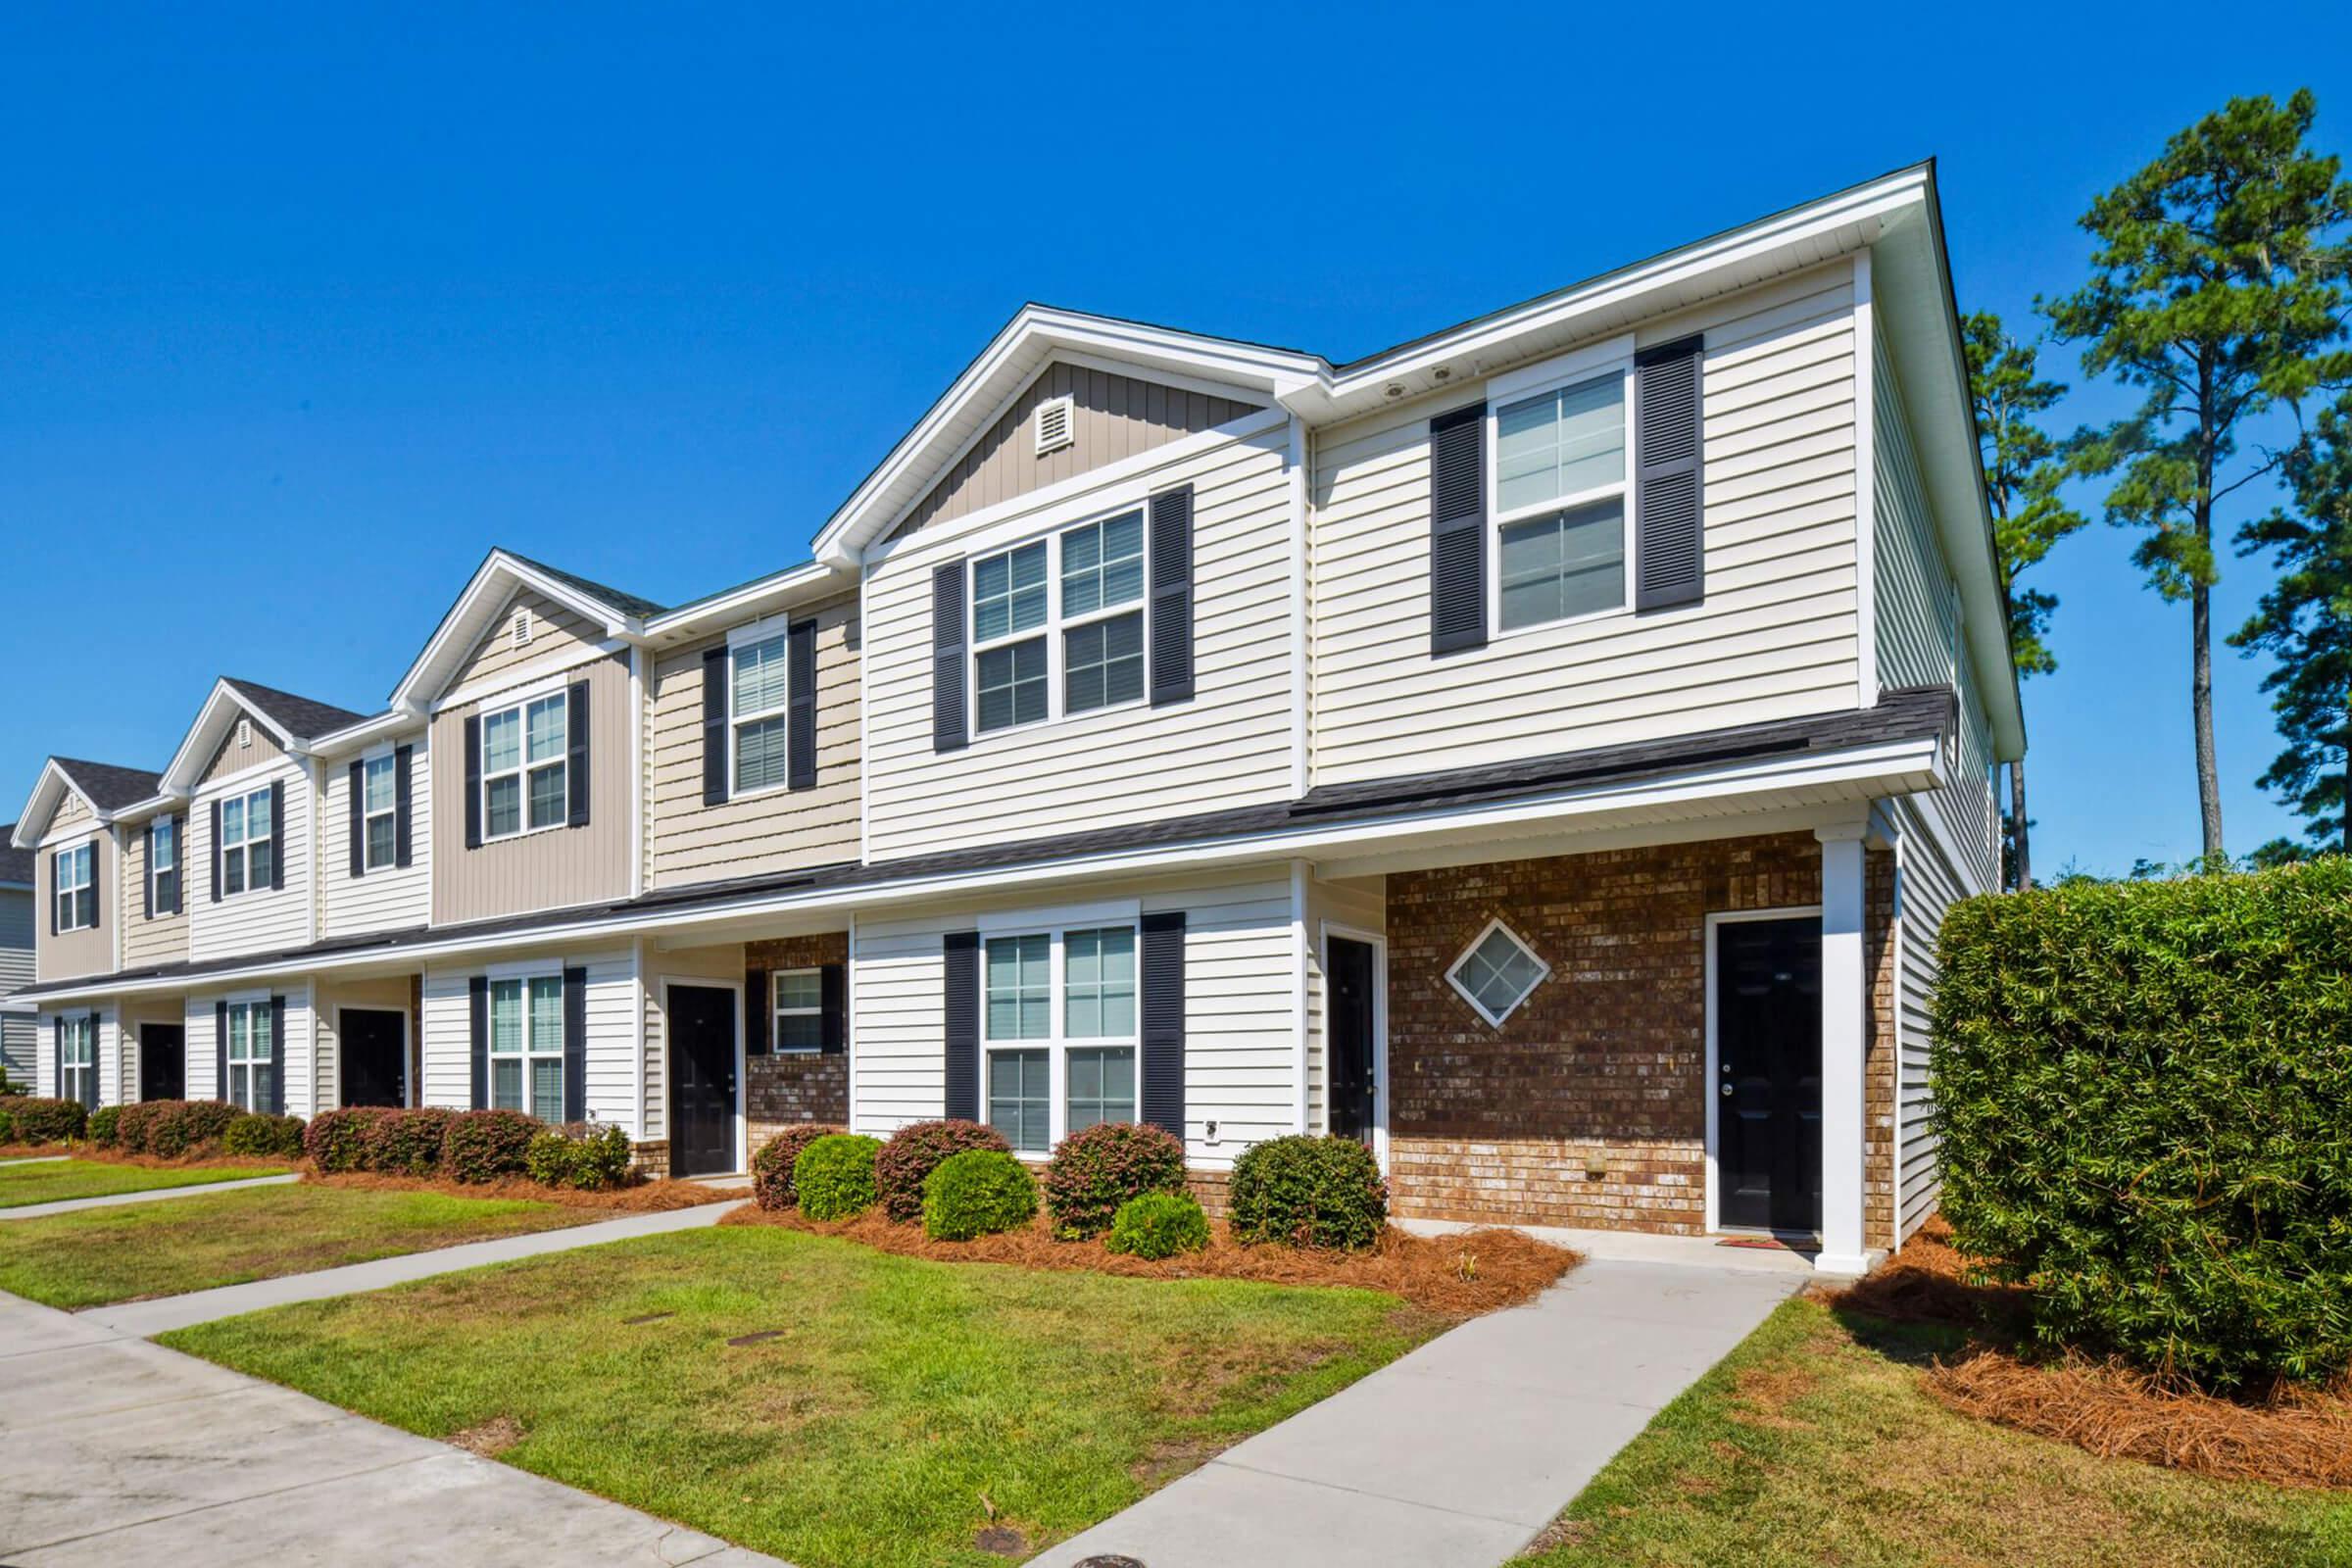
x=380 y=994
x=555 y=633
x=1777 y=635
x=236 y=754
x=163 y=938
x=390 y=898
x=612 y=1043
x=1229 y=745
x=719 y=965
x=1240 y=985
x=775 y=830
x=1362 y=905
x=261 y=920
x=63 y=956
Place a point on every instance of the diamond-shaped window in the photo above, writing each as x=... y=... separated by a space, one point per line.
x=1498 y=974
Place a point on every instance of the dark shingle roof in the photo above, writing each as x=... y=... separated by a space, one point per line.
x=302 y=717
x=630 y=603
x=108 y=787
x=15 y=866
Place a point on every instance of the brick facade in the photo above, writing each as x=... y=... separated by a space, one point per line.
x=794 y=1086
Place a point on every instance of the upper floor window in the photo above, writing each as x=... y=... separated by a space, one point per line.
x=526 y=1045
x=77 y=1058
x=1093 y=629
x=248 y=842
x=77 y=890
x=162 y=854
x=523 y=767
x=379 y=807
x=1560 y=502
x=757 y=695
x=800 y=1002
x=1059 y=1046
x=251 y=1056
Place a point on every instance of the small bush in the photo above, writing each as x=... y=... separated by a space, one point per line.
x=834 y=1176
x=338 y=1140
x=772 y=1168
x=8 y=1127
x=41 y=1120
x=1309 y=1192
x=915 y=1151
x=407 y=1143
x=100 y=1128
x=1158 y=1225
x=980 y=1191
x=1094 y=1171
x=488 y=1146
x=266 y=1137
x=590 y=1158
x=170 y=1129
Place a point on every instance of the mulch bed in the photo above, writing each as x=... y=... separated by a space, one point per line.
x=1461 y=1276
x=2294 y=1436
x=646 y=1198
x=97 y=1155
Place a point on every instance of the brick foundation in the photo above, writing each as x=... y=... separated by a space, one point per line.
x=782 y=1088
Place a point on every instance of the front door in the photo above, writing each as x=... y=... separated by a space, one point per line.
x=1768 y=1073
x=702 y=1080
x=163 y=1062
x=375 y=1056
x=1352 y=977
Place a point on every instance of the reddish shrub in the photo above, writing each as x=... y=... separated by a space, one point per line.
x=1094 y=1171
x=407 y=1143
x=488 y=1146
x=915 y=1151
x=41 y=1120
x=772 y=1168
x=171 y=1128
x=338 y=1140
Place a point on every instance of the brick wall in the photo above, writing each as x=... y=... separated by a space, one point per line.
x=1879 y=1050
x=794 y=1086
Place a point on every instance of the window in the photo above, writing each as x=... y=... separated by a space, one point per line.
x=248 y=842
x=162 y=851
x=1560 y=503
x=1008 y=599
x=755 y=701
x=251 y=1056
x=1101 y=570
x=1060 y=1008
x=523 y=773
x=1498 y=974
x=77 y=1058
x=76 y=892
x=379 y=801
x=1096 y=621
x=526 y=1045
x=800 y=1002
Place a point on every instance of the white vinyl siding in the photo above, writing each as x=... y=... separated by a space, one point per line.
x=15 y=938
x=260 y=920
x=611 y=1041
x=1359 y=904
x=388 y=898
x=297 y=1054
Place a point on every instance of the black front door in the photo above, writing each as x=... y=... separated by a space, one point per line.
x=1351 y=980
x=375 y=1058
x=1768 y=1073
x=702 y=1080
x=163 y=1062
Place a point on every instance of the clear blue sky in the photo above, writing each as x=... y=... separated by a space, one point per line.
x=300 y=308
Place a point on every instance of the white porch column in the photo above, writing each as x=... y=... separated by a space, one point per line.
x=1843 y=1001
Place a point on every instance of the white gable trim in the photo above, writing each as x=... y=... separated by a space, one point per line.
x=493 y=582
x=221 y=708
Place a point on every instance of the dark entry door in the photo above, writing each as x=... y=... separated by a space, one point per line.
x=702 y=1080
x=1768 y=1073
x=163 y=1062
x=375 y=1058
x=1351 y=1003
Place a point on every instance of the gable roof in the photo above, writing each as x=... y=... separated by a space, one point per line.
x=294 y=722
x=300 y=715
x=485 y=595
x=15 y=866
x=626 y=602
x=106 y=788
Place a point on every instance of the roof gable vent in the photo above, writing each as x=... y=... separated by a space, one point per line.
x=522 y=631
x=1055 y=423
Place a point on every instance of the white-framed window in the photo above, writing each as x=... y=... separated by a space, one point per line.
x=1497 y=972
x=162 y=868
x=1058 y=1032
x=758 y=694
x=248 y=842
x=379 y=808
x=77 y=871
x=1560 y=497
x=252 y=1055
x=1054 y=637
x=526 y=779
x=77 y=1057
x=798 y=999
x=526 y=1045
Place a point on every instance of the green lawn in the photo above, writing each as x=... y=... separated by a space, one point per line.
x=890 y=1406
x=1814 y=1442
x=53 y=1181
x=135 y=1250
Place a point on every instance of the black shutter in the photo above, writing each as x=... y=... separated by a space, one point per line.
x=715 y=726
x=758 y=1019
x=1172 y=597
x=800 y=717
x=89 y=1081
x=402 y=798
x=278 y=834
x=575 y=782
x=57 y=875
x=275 y=1105
x=473 y=781
x=961 y=1005
x=180 y=864
x=575 y=1044
x=147 y=881
x=358 y=818
x=216 y=852
x=947 y=723
x=477 y=1002
x=57 y=1059
x=833 y=993
x=1457 y=531
x=1164 y=1020
x=219 y=1050
x=1669 y=559
x=97 y=863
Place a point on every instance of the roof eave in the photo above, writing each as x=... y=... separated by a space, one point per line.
x=500 y=573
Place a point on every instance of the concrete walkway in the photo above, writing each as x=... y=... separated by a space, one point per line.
x=1457 y=1455
x=154 y=1194
x=34 y=1159
x=120 y=1452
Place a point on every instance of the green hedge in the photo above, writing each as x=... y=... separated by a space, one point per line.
x=593 y=1157
x=1309 y=1192
x=980 y=1191
x=1096 y=1170
x=1157 y=1225
x=912 y=1152
x=264 y=1136
x=2145 y=1096
x=834 y=1176
x=772 y=1168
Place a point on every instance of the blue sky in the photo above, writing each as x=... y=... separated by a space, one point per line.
x=301 y=310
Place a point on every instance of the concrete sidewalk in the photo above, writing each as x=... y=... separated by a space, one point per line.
x=1457 y=1455
x=154 y=1194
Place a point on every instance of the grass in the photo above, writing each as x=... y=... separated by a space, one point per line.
x=1814 y=1442
x=900 y=1408
x=97 y=1256
x=53 y=1181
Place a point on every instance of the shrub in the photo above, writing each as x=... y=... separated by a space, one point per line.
x=488 y=1146
x=171 y=1128
x=100 y=1126
x=1094 y=1171
x=834 y=1176
x=8 y=1127
x=42 y=1120
x=1309 y=1192
x=977 y=1193
x=270 y=1137
x=2140 y=1090
x=338 y=1140
x=1159 y=1225
x=915 y=1151
x=407 y=1143
x=772 y=1168
x=590 y=1158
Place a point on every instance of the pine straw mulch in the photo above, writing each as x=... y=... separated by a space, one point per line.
x=2292 y=1437
x=210 y=1159
x=1460 y=1276
x=645 y=1197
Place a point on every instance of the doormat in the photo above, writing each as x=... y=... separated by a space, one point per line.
x=1763 y=1244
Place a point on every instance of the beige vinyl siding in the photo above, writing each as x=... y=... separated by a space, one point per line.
x=390 y=898
x=256 y=920
x=163 y=938
x=557 y=633
x=15 y=938
x=379 y=994
x=67 y=955
x=136 y=1013
x=1112 y=416
x=775 y=830
x=1775 y=637
x=555 y=868
x=230 y=757
x=612 y=1044
x=1359 y=904
x=719 y=965
x=1229 y=746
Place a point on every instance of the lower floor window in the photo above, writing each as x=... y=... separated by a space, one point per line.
x=1020 y=1098
x=1060 y=1018
x=526 y=1045
x=77 y=1058
x=251 y=1056
x=1101 y=1086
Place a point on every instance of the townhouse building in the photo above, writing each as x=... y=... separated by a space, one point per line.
x=19 y=1020
x=1543 y=750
